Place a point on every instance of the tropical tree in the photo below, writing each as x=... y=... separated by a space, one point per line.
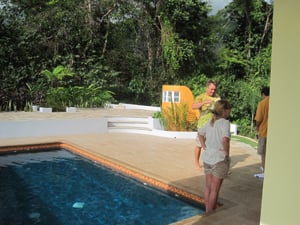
x=244 y=55
x=131 y=48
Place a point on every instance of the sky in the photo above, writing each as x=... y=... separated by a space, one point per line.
x=217 y=5
x=220 y=4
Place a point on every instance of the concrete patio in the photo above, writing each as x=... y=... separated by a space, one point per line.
x=166 y=159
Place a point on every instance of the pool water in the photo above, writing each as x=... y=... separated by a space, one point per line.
x=61 y=188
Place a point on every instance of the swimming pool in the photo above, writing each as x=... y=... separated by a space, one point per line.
x=59 y=187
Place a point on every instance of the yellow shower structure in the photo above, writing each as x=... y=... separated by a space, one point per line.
x=177 y=101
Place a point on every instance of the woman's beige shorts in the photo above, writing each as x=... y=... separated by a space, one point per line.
x=219 y=169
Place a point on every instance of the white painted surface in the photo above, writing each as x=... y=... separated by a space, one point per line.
x=45 y=109
x=132 y=106
x=39 y=128
x=71 y=109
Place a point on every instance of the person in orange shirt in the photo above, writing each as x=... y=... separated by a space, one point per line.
x=261 y=120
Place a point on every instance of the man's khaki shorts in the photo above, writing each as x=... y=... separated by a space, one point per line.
x=261 y=146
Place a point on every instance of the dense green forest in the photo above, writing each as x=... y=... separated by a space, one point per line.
x=85 y=53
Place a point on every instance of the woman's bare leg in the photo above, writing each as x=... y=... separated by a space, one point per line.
x=212 y=188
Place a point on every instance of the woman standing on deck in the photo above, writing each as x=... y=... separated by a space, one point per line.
x=214 y=137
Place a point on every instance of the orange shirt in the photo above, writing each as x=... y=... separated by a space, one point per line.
x=261 y=117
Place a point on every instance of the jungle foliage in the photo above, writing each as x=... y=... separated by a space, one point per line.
x=87 y=52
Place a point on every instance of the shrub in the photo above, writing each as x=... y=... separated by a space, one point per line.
x=175 y=118
x=82 y=97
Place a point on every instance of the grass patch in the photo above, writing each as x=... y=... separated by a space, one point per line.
x=245 y=140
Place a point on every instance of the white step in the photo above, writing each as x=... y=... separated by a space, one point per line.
x=128 y=123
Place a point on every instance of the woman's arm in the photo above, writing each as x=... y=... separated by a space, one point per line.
x=202 y=141
x=226 y=145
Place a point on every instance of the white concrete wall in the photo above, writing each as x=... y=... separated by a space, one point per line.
x=133 y=106
x=38 y=128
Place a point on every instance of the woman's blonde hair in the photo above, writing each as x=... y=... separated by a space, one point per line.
x=218 y=110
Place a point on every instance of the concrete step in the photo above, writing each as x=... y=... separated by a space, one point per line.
x=128 y=123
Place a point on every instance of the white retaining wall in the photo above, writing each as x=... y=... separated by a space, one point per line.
x=39 y=128
x=132 y=106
